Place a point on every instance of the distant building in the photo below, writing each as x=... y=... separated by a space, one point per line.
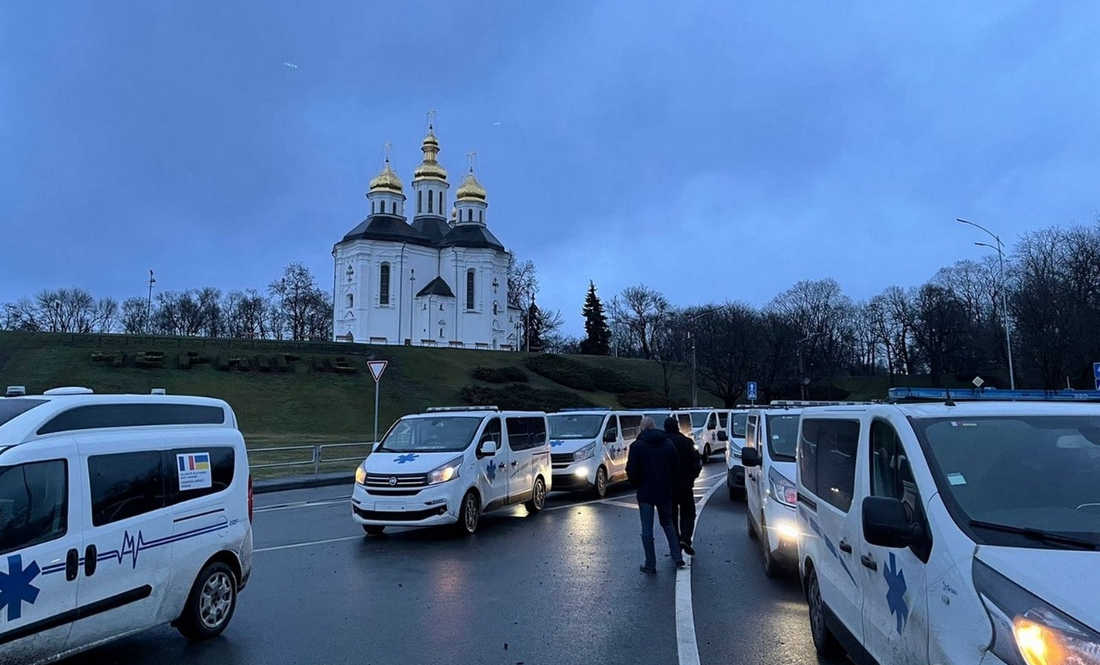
x=433 y=282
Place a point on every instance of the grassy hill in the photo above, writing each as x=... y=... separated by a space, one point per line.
x=287 y=393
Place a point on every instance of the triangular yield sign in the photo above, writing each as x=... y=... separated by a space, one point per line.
x=376 y=368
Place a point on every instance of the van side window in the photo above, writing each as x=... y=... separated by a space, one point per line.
x=34 y=504
x=891 y=475
x=96 y=416
x=750 y=431
x=525 y=433
x=222 y=463
x=723 y=418
x=828 y=463
x=631 y=427
x=125 y=485
x=611 y=426
x=492 y=432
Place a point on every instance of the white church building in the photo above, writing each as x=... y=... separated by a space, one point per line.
x=433 y=281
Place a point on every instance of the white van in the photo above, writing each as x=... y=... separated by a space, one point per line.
x=704 y=430
x=735 y=471
x=589 y=447
x=953 y=531
x=771 y=441
x=118 y=513
x=449 y=465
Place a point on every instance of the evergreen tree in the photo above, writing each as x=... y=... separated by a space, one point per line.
x=598 y=340
x=533 y=340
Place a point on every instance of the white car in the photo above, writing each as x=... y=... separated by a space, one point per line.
x=961 y=528
x=118 y=513
x=589 y=447
x=449 y=465
x=771 y=442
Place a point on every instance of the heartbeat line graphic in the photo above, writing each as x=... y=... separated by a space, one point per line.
x=134 y=545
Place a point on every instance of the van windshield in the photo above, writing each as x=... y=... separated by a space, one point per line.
x=10 y=408
x=1031 y=472
x=739 y=420
x=575 y=426
x=699 y=418
x=442 y=434
x=782 y=437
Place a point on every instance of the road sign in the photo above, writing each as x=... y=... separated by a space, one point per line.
x=978 y=382
x=376 y=368
x=1096 y=371
x=752 y=391
x=1098 y=384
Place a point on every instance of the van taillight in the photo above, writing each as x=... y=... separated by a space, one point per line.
x=250 y=503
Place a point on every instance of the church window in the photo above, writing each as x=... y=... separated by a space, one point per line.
x=420 y=202
x=470 y=215
x=373 y=207
x=470 y=289
x=430 y=199
x=496 y=308
x=351 y=301
x=393 y=207
x=440 y=202
x=481 y=216
x=384 y=284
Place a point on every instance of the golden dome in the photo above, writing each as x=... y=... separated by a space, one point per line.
x=388 y=180
x=470 y=188
x=430 y=167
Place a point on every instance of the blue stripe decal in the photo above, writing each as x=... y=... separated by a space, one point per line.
x=828 y=543
x=133 y=546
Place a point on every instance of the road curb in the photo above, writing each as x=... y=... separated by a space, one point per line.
x=302 y=482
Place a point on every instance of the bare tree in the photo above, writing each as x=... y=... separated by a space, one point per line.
x=134 y=315
x=642 y=311
x=300 y=303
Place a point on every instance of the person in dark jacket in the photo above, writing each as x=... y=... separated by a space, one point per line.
x=683 y=491
x=652 y=467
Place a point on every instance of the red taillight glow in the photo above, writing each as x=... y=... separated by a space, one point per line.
x=250 y=502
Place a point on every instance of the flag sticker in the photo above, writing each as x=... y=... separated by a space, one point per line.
x=194 y=471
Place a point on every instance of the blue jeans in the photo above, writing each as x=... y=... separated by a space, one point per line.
x=664 y=516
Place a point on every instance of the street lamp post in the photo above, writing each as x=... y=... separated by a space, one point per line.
x=149 y=303
x=999 y=248
x=412 y=300
x=691 y=336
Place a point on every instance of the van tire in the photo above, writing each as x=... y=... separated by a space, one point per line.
x=706 y=454
x=600 y=488
x=538 y=497
x=752 y=530
x=772 y=567
x=374 y=529
x=825 y=641
x=469 y=515
x=210 y=605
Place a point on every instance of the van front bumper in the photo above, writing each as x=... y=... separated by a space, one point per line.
x=782 y=536
x=431 y=506
x=576 y=476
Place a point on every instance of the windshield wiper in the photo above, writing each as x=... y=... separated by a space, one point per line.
x=1035 y=534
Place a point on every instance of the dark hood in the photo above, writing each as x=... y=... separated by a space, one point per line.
x=652 y=436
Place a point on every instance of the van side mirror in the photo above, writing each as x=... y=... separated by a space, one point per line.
x=750 y=457
x=487 y=448
x=722 y=436
x=886 y=523
x=610 y=436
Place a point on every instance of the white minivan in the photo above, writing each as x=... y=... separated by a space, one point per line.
x=709 y=437
x=449 y=465
x=735 y=433
x=118 y=513
x=960 y=530
x=589 y=447
x=771 y=441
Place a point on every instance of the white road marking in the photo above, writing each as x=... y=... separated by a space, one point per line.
x=299 y=504
x=309 y=544
x=622 y=504
x=686 y=645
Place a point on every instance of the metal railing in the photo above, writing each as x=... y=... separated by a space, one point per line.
x=311 y=455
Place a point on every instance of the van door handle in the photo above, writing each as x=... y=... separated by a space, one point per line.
x=90 y=560
x=515 y=463
x=72 y=561
x=845 y=547
x=868 y=562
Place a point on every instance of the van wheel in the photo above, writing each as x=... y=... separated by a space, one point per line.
x=824 y=640
x=752 y=530
x=211 y=603
x=601 y=482
x=706 y=454
x=374 y=529
x=470 y=514
x=538 y=498
x=771 y=565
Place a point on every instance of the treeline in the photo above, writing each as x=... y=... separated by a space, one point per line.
x=951 y=328
x=293 y=307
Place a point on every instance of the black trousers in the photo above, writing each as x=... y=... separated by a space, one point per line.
x=683 y=512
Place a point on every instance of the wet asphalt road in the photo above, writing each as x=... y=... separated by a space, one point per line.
x=557 y=588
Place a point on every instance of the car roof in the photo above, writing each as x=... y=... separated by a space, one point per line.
x=24 y=427
x=965 y=409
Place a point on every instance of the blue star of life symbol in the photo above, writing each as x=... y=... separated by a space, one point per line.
x=16 y=587
x=408 y=457
x=555 y=444
x=895 y=595
x=491 y=471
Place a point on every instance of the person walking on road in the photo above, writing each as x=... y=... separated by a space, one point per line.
x=683 y=490
x=652 y=467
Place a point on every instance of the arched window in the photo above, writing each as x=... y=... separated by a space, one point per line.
x=351 y=301
x=470 y=215
x=373 y=207
x=470 y=289
x=420 y=202
x=393 y=207
x=384 y=284
x=481 y=216
x=496 y=308
x=430 y=199
x=440 y=202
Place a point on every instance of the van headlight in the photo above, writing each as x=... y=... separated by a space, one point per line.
x=442 y=474
x=361 y=474
x=1029 y=631
x=783 y=490
x=585 y=453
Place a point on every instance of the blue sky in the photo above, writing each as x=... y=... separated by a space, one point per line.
x=710 y=150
